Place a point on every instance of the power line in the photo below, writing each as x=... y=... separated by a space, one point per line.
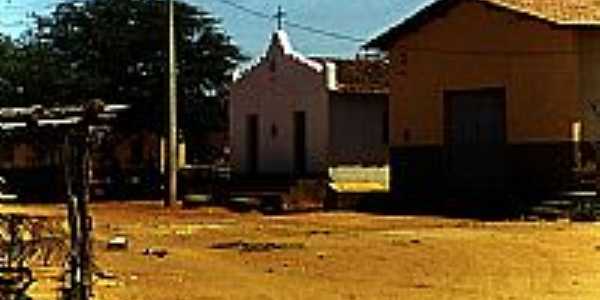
x=243 y=8
x=262 y=15
x=324 y=33
x=296 y=25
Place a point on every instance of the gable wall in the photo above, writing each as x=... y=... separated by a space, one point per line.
x=274 y=97
x=589 y=66
x=478 y=46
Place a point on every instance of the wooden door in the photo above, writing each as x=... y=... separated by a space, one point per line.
x=475 y=138
x=252 y=143
x=300 y=142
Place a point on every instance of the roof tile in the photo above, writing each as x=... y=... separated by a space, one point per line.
x=562 y=12
x=360 y=75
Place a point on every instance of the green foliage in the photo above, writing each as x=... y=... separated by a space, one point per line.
x=30 y=75
x=116 y=50
x=7 y=66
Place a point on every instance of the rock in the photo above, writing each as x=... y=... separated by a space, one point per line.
x=118 y=242
x=108 y=283
x=575 y=282
x=422 y=286
x=316 y=232
x=105 y=275
x=158 y=252
x=257 y=246
x=106 y=279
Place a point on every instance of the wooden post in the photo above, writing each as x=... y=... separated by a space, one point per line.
x=79 y=221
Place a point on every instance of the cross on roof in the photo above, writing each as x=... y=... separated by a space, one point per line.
x=280 y=15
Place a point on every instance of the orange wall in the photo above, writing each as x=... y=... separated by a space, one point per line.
x=477 y=46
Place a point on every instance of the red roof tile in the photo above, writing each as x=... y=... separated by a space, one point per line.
x=360 y=75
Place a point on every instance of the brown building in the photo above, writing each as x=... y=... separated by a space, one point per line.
x=33 y=155
x=492 y=96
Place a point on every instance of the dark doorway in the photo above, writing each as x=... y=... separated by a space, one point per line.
x=475 y=139
x=300 y=142
x=252 y=143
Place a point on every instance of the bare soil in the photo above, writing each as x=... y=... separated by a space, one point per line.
x=211 y=253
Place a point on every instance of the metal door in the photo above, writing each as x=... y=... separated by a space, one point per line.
x=475 y=138
x=300 y=142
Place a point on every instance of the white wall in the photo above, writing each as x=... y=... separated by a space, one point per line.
x=274 y=94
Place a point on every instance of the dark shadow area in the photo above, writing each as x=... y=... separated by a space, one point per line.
x=35 y=184
x=576 y=206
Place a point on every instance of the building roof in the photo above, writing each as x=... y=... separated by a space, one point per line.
x=556 y=12
x=361 y=75
x=280 y=40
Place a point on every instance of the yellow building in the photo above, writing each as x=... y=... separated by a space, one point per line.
x=492 y=96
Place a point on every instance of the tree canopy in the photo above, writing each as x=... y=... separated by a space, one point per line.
x=116 y=50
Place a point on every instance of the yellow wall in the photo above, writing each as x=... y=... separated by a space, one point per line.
x=477 y=46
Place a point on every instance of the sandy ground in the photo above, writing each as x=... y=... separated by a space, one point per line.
x=334 y=256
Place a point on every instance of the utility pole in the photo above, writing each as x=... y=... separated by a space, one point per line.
x=171 y=184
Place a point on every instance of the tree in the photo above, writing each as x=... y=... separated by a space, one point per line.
x=116 y=50
x=7 y=67
x=29 y=74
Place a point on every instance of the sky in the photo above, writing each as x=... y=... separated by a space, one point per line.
x=357 y=19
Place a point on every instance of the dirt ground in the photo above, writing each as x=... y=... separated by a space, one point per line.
x=216 y=254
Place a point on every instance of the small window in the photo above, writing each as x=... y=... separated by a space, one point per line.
x=274 y=131
x=272 y=65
